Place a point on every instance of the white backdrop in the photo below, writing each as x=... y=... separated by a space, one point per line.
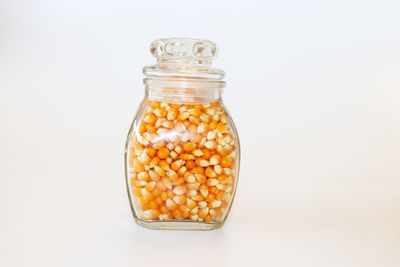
x=314 y=89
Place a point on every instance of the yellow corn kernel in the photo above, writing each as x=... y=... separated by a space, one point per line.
x=180 y=200
x=209 y=172
x=164 y=165
x=212 y=182
x=183 y=116
x=179 y=190
x=171 y=205
x=192 y=186
x=203 y=190
x=143 y=176
x=203 y=213
x=172 y=114
x=150 y=214
x=191 y=204
x=150 y=118
x=198 y=152
x=150 y=186
x=160 y=113
x=201 y=178
x=178 y=181
x=176 y=164
x=159 y=144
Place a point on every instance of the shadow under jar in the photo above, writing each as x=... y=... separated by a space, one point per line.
x=182 y=151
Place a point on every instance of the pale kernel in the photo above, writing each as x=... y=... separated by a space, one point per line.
x=198 y=152
x=154 y=175
x=179 y=190
x=183 y=116
x=171 y=205
x=173 y=155
x=227 y=171
x=214 y=160
x=161 y=131
x=172 y=114
x=180 y=200
x=202 y=162
x=144 y=176
x=201 y=128
x=202 y=204
x=170 y=146
x=195 y=210
x=211 y=145
x=159 y=171
x=203 y=213
x=167 y=182
x=204 y=191
x=190 y=178
x=215 y=204
x=167 y=124
x=182 y=171
x=146 y=193
x=212 y=182
x=150 y=214
x=172 y=174
x=194 y=185
x=191 y=193
x=176 y=164
x=178 y=149
x=211 y=135
x=218 y=169
x=180 y=127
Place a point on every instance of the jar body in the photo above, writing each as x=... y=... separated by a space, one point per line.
x=182 y=164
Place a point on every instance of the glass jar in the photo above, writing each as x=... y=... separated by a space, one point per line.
x=182 y=150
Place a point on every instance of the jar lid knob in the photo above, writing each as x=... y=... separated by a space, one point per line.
x=184 y=50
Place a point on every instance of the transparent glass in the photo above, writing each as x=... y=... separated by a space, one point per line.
x=182 y=152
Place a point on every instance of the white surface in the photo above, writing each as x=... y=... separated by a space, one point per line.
x=313 y=87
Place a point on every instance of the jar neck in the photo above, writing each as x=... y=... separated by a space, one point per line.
x=183 y=90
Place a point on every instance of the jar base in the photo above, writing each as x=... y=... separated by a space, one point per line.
x=179 y=225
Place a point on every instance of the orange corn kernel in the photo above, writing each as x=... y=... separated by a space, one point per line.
x=198 y=170
x=190 y=164
x=163 y=153
x=206 y=154
x=159 y=144
x=210 y=198
x=177 y=214
x=150 y=118
x=164 y=196
x=226 y=162
x=155 y=104
x=164 y=165
x=151 y=152
x=137 y=166
x=178 y=181
x=188 y=146
x=213 y=189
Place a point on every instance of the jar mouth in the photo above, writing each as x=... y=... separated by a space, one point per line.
x=179 y=82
